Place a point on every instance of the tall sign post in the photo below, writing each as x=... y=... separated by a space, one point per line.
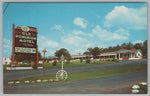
x=44 y=62
x=62 y=74
x=13 y=44
x=24 y=45
x=62 y=59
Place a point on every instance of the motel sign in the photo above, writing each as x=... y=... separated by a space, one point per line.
x=24 y=45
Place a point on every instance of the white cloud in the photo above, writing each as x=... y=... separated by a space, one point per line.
x=122 y=31
x=127 y=18
x=79 y=32
x=80 y=22
x=137 y=41
x=7 y=43
x=73 y=40
x=52 y=52
x=58 y=28
x=7 y=47
x=79 y=51
x=88 y=45
x=44 y=42
x=105 y=35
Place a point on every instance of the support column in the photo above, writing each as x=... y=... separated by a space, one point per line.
x=116 y=56
x=13 y=45
x=37 y=57
x=119 y=56
x=131 y=55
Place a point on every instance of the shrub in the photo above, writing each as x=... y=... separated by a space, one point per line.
x=81 y=60
x=54 y=63
x=111 y=59
x=94 y=62
x=88 y=61
x=68 y=62
x=100 y=59
x=116 y=60
x=34 y=67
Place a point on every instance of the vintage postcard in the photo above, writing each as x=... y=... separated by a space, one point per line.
x=75 y=48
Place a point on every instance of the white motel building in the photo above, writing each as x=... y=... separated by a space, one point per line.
x=122 y=54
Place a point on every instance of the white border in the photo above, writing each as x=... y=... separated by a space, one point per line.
x=34 y=1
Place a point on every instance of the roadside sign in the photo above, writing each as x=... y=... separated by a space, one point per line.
x=25 y=50
x=62 y=57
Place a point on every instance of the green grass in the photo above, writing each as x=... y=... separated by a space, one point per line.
x=93 y=74
x=66 y=64
x=76 y=64
x=106 y=72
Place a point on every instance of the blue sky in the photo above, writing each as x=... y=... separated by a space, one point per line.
x=77 y=26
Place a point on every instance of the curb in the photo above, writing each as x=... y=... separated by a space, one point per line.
x=31 y=82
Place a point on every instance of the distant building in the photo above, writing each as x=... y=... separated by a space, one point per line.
x=78 y=57
x=6 y=60
x=49 y=59
x=123 y=54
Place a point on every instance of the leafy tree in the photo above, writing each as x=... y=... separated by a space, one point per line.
x=118 y=47
x=39 y=54
x=96 y=51
x=105 y=50
x=93 y=51
x=110 y=49
x=129 y=46
x=64 y=52
x=138 y=46
x=144 y=49
x=86 y=53
x=90 y=50
x=124 y=45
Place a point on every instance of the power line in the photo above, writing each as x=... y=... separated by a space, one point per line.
x=5 y=8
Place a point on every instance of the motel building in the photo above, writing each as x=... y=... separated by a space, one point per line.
x=122 y=54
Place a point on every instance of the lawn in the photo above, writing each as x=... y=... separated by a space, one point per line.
x=67 y=64
x=93 y=74
x=77 y=64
